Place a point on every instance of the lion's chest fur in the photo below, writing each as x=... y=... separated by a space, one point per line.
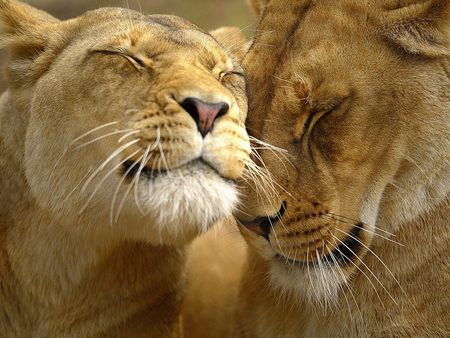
x=68 y=300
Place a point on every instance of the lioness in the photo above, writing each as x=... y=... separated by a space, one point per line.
x=350 y=238
x=122 y=137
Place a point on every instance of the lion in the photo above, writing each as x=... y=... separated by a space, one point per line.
x=122 y=140
x=348 y=231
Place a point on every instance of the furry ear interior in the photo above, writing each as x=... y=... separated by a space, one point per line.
x=233 y=39
x=419 y=27
x=28 y=34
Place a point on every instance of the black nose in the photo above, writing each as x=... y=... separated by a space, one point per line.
x=263 y=225
x=203 y=113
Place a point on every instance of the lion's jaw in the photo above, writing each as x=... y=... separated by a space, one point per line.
x=366 y=140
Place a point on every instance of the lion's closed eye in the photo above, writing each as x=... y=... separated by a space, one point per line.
x=137 y=62
x=226 y=75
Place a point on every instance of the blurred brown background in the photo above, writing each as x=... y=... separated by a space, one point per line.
x=208 y=14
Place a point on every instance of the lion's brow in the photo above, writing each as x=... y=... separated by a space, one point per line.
x=163 y=21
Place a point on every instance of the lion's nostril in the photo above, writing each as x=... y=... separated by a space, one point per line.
x=265 y=224
x=203 y=113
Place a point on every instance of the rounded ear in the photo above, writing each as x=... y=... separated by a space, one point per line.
x=419 y=27
x=21 y=23
x=258 y=6
x=29 y=36
x=232 y=39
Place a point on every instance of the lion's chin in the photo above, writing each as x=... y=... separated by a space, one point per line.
x=186 y=201
x=316 y=284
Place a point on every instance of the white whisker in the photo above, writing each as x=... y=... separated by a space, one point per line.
x=122 y=202
x=93 y=131
x=101 y=138
x=116 y=192
x=138 y=175
x=103 y=165
x=376 y=256
x=76 y=186
x=114 y=169
x=359 y=269
x=128 y=135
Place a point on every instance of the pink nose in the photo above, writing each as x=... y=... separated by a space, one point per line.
x=204 y=114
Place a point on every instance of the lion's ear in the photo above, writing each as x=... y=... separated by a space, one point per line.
x=258 y=6
x=29 y=36
x=421 y=28
x=233 y=39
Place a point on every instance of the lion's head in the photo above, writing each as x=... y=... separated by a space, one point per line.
x=356 y=93
x=132 y=125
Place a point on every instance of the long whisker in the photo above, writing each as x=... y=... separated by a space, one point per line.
x=77 y=185
x=269 y=177
x=116 y=192
x=340 y=288
x=122 y=202
x=278 y=242
x=66 y=150
x=364 y=264
x=255 y=174
x=114 y=169
x=309 y=276
x=138 y=175
x=378 y=235
x=363 y=229
x=276 y=154
x=50 y=177
x=322 y=279
x=102 y=137
x=93 y=130
x=331 y=254
x=128 y=135
x=268 y=145
x=377 y=257
x=109 y=159
x=356 y=221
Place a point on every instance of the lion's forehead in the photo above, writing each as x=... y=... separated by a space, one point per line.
x=292 y=50
x=289 y=33
x=160 y=37
x=164 y=29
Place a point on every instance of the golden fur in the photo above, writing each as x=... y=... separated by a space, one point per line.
x=350 y=237
x=104 y=176
x=215 y=263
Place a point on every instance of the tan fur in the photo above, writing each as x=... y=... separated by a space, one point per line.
x=357 y=94
x=72 y=266
x=215 y=264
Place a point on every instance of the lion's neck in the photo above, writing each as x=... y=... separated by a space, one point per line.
x=65 y=274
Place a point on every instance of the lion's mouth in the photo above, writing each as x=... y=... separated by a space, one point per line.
x=345 y=253
x=132 y=169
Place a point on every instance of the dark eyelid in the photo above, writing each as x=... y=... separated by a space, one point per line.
x=238 y=73
x=326 y=105
x=119 y=52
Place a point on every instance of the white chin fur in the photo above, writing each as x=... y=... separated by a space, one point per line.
x=187 y=199
x=319 y=285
